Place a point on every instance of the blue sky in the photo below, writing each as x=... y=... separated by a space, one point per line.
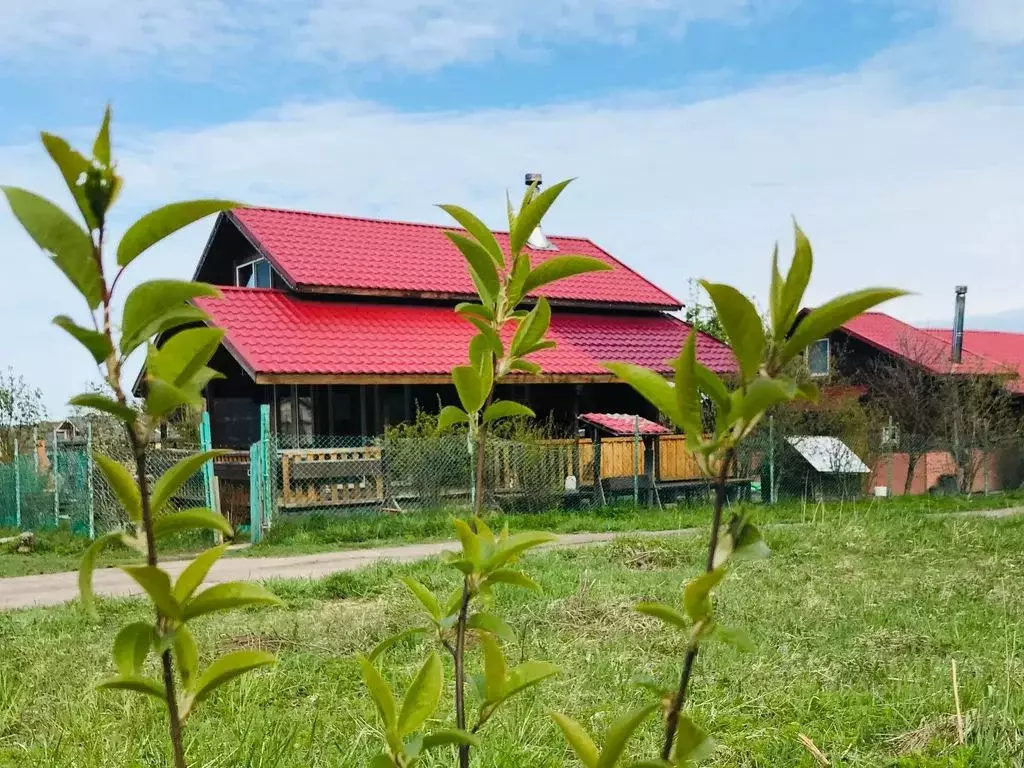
x=890 y=128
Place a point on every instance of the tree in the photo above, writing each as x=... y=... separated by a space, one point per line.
x=21 y=409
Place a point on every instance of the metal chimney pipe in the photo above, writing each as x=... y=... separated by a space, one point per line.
x=958 y=323
x=534 y=178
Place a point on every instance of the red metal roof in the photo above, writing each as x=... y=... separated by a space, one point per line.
x=346 y=254
x=275 y=332
x=624 y=424
x=918 y=346
x=1001 y=346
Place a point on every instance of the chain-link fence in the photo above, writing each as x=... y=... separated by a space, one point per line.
x=347 y=475
x=57 y=484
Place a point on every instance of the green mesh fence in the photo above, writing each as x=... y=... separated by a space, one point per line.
x=361 y=474
x=62 y=487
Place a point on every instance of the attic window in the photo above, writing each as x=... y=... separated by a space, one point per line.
x=254 y=274
x=818 y=358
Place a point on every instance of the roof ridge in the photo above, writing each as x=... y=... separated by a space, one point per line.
x=398 y=222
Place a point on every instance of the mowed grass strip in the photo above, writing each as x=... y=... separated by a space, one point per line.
x=856 y=622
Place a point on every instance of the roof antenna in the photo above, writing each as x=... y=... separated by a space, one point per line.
x=537 y=240
x=958 y=324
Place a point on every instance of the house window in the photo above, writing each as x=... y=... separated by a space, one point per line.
x=254 y=274
x=818 y=358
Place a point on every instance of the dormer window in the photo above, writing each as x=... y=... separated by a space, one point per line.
x=254 y=274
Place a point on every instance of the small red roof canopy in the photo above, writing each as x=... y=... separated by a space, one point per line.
x=277 y=334
x=343 y=254
x=624 y=424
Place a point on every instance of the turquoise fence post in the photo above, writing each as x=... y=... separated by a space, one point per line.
x=17 y=487
x=88 y=475
x=56 y=483
x=267 y=468
x=206 y=444
x=255 y=490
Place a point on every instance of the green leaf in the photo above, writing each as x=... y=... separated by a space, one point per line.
x=157 y=584
x=697 y=594
x=422 y=697
x=452 y=736
x=97 y=343
x=153 y=304
x=425 y=596
x=195 y=572
x=489 y=622
x=490 y=336
x=136 y=683
x=579 y=739
x=163 y=398
x=560 y=267
x=468 y=309
x=469 y=386
x=735 y=637
x=808 y=390
x=478 y=230
x=122 y=484
x=495 y=668
x=775 y=299
x=69 y=246
x=822 y=321
x=619 y=735
x=184 y=355
x=761 y=395
x=687 y=393
x=186 y=653
x=750 y=545
x=531 y=330
x=381 y=694
x=87 y=566
x=711 y=385
x=516 y=280
x=516 y=545
x=516 y=578
x=164 y=221
x=792 y=293
x=73 y=166
x=526 y=366
x=227 y=668
x=741 y=323
x=481 y=266
x=171 y=481
x=692 y=743
x=195 y=519
x=225 y=597
x=503 y=409
x=388 y=642
x=665 y=613
x=449 y=416
x=470 y=542
x=101 y=146
x=131 y=647
x=532 y=213
x=527 y=675
x=106 y=404
x=382 y=761
x=652 y=386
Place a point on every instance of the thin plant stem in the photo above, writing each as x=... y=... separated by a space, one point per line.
x=460 y=672
x=672 y=719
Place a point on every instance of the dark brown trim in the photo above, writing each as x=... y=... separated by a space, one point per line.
x=427 y=378
x=388 y=293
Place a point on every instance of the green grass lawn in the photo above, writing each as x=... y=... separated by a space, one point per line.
x=856 y=619
x=298 y=534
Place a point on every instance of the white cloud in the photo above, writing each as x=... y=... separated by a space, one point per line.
x=920 y=193
x=403 y=34
x=993 y=21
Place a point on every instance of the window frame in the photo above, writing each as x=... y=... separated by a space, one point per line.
x=253 y=263
x=828 y=358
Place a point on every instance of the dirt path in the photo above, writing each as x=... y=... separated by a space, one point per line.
x=56 y=588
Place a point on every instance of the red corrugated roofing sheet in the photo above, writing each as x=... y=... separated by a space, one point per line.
x=1001 y=346
x=319 y=251
x=916 y=345
x=623 y=424
x=275 y=332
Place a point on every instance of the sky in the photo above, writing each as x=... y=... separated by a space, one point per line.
x=697 y=129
